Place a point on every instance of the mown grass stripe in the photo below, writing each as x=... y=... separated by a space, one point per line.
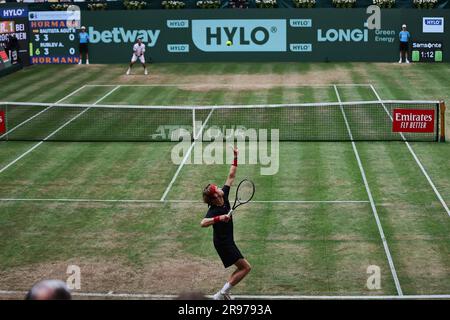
x=374 y=210
x=24 y=77
x=52 y=87
x=39 y=90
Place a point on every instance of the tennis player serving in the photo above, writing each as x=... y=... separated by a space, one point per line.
x=138 y=53
x=222 y=222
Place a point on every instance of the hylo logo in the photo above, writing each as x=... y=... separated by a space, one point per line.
x=433 y=25
x=258 y=35
x=433 y=22
x=9 y=13
x=246 y=35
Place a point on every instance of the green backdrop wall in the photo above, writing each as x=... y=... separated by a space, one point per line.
x=259 y=35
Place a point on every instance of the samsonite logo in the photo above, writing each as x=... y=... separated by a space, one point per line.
x=343 y=35
x=245 y=35
x=433 y=25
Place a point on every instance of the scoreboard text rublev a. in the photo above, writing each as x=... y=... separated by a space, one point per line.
x=53 y=37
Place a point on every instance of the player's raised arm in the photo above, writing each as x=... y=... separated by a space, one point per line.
x=232 y=174
x=206 y=222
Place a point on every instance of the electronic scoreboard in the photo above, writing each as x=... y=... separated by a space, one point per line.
x=54 y=37
x=427 y=51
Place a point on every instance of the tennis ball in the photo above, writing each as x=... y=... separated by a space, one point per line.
x=229 y=43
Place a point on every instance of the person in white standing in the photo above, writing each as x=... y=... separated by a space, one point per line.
x=138 y=53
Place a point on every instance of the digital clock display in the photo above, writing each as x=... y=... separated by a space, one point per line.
x=427 y=51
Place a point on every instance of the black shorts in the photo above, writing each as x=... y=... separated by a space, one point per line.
x=84 y=48
x=404 y=46
x=229 y=254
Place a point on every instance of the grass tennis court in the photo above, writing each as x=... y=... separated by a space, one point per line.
x=311 y=230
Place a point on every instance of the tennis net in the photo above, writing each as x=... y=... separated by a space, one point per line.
x=357 y=121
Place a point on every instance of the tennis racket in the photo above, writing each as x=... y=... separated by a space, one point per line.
x=244 y=193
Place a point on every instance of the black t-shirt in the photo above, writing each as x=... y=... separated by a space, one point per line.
x=223 y=231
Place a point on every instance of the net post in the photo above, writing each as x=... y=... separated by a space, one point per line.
x=442 y=119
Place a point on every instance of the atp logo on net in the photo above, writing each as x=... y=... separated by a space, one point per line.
x=246 y=35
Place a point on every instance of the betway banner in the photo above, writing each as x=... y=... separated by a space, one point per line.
x=259 y=35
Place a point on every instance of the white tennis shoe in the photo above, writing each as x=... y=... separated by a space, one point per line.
x=222 y=296
x=218 y=296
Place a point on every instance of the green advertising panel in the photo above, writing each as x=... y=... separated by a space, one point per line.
x=260 y=35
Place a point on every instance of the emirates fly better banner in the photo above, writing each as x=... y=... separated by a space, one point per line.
x=413 y=120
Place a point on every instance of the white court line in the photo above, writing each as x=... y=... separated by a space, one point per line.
x=372 y=203
x=166 y=201
x=36 y=115
x=230 y=85
x=243 y=297
x=438 y=195
x=272 y=297
x=188 y=153
x=53 y=133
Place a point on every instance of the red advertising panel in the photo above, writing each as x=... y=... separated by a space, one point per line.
x=3 y=55
x=2 y=122
x=413 y=120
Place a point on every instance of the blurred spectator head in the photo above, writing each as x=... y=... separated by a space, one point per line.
x=49 y=290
